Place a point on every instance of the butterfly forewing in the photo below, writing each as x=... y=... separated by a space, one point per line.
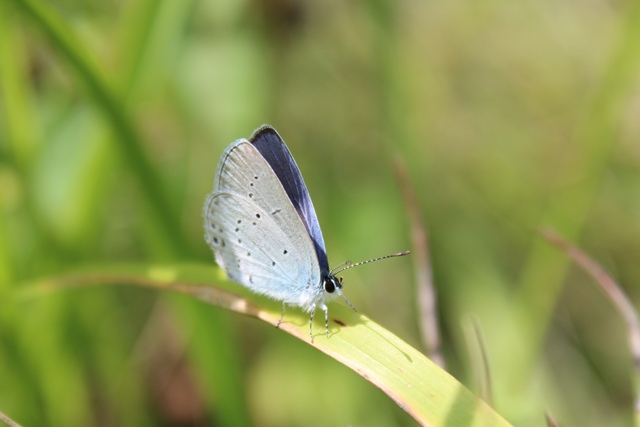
x=255 y=231
x=275 y=152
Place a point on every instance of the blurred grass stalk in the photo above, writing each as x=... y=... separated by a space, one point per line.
x=544 y=273
x=478 y=358
x=620 y=301
x=126 y=137
x=426 y=292
x=149 y=26
x=528 y=318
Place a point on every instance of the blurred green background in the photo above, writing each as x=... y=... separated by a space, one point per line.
x=509 y=115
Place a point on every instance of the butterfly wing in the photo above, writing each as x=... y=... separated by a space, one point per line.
x=275 y=152
x=255 y=231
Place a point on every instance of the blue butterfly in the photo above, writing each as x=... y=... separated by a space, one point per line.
x=262 y=227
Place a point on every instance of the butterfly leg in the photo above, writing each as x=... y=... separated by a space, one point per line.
x=281 y=316
x=326 y=316
x=313 y=312
x=326 y=319
x=347 y=301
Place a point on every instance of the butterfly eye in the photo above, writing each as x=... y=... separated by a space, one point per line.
x=329 y=286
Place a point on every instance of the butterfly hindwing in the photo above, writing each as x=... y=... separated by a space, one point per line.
x=254 y=251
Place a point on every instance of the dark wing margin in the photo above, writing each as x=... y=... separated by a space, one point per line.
x=272 y=147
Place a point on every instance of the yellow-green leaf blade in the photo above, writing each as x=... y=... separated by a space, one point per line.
x=429 y=394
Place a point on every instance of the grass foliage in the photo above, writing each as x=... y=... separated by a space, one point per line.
x=508 y=116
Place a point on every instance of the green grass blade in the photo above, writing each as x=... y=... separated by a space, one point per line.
x=14 y=99
x=569 y=210
x=429 y=394
x=150 y=36
x=126 y=136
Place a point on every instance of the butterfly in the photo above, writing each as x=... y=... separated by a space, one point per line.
x=262 y=227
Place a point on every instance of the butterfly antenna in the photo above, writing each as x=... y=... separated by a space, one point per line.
x=347 y=265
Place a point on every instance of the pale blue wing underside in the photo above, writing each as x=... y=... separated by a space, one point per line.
x=272 y=147
x=255 y=232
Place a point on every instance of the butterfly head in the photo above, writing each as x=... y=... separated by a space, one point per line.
x=332 y=287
